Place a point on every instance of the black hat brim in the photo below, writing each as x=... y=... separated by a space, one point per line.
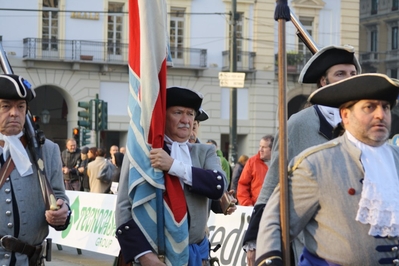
x=370 y=86
x=178 y=96
x=325 y=58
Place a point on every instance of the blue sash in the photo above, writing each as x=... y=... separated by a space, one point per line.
x=309 y=259
x=198 y=253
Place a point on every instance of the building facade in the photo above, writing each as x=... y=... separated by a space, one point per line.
x=73 y=51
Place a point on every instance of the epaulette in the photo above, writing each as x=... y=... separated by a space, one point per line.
x=311 y=151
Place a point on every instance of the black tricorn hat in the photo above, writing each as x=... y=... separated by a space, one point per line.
x=370 y=86
x=201 y=115
x=15 y=87
x=178 y=96
x=325 y=58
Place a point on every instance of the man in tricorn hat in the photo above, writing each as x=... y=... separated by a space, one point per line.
x=343 y=194
x=309 y=127
x=25 y=220
x=199 y=177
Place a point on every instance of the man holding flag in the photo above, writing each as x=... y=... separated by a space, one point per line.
x=199 y=176
x=164 y=190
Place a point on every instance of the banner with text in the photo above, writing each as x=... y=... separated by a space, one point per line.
x=93 y=228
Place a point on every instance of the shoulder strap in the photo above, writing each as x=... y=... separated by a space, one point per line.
x=310 y=152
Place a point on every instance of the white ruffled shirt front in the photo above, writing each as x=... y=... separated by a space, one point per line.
x=13 y=146
x=379 y=203
x=331 y=114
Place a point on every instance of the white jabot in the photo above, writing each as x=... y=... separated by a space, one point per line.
x=379 y=203
x=331 y=114
x=181 y=166
x=13 y=146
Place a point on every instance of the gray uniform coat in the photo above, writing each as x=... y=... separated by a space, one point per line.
x=321 y=206
x=203 y=157
x=23 y=195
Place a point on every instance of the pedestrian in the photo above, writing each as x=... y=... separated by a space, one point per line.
x=199 y=177
x=93 y=172
x=254 y=173
x=311 y=126
x=112 y=150
x=117 y=160
x=122 y=150
x=71 y=162
x=83 y=168
x=343 y=193
x=237 y=170
x=25 y=220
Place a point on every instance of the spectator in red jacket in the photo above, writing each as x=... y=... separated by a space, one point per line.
x=254 y=172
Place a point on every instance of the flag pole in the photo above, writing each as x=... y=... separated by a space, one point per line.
x=281 y=15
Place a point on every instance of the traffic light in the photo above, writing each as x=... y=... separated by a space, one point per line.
x=102 y=115
x=86 y=136
x=76 y=135
x=85 y=116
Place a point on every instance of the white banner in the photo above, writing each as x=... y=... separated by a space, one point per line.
x=93 y=228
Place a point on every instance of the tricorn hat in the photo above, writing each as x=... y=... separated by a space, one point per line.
x=15 y=87
x=325 y=58
x=201 y=115
x=178 y=96
x=370 y=86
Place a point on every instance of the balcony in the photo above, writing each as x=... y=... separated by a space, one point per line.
x=392 y=55
x=295 y=62
x=369 y=57
x=77 y=51
x=188 y=58
x=245 y=61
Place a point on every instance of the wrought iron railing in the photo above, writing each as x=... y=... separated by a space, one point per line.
x=245 y=61
x=75 y=50
x=188 y=57
x=102 y=52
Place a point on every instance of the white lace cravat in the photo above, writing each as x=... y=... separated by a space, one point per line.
x=379 y=203
x=13 y=146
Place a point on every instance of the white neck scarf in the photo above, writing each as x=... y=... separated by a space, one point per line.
x=379 y=203
x=178 y=150
x=331 y=114
x=13 y=146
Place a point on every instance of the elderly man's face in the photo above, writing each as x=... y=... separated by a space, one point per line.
x=337 y=73
x=71 y=146
x=12 y=116
x=369 y=121
x=179 y=123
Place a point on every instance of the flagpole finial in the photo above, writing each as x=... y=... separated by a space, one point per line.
x=282 y=10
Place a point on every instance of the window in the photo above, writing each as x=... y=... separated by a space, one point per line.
x=373 y=41
x=50 y=25
x=239 y=32
x=307 y=23
x=395 y=5
x=394 y=45
x=394 y=73
x=374 y=7
x=176 y=33
x=115 y=22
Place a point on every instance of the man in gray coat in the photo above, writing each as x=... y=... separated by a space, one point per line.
x=194 y=175
x=311 y=126
x=24 y=220
x=343 y=194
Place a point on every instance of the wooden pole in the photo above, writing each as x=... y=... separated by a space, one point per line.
x=282 y=14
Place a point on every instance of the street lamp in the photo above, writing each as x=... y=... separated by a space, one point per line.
x=45 y=115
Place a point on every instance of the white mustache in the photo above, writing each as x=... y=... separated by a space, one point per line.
x=183 y=125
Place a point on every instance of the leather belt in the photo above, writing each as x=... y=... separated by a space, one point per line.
x=13 y=244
